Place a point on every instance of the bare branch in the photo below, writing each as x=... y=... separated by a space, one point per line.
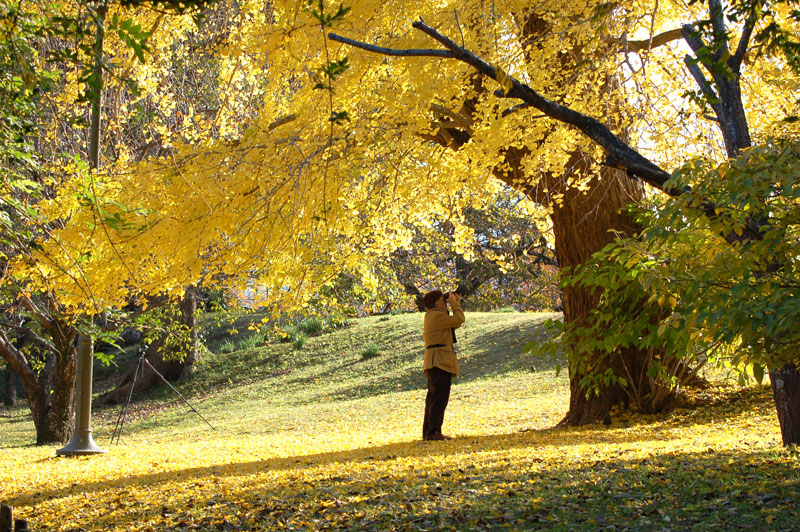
x=516 y=108
x=281 y=121
x=16 y=360
x=391 y=51
x=653 y=42
x=620 y=155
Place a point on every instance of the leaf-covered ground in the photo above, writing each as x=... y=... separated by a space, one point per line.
x=322 y=438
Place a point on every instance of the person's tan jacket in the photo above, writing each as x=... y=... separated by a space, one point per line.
x=438 y=330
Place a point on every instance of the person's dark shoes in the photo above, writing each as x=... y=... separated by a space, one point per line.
x=437 y=437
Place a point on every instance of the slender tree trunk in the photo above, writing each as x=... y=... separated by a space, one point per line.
x=786 y=393
x=170 y=368
x=10 y=395
x=188 y=307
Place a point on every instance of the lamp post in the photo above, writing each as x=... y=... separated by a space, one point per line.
x=81 y=442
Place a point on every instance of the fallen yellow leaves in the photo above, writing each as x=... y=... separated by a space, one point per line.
x=504 y=469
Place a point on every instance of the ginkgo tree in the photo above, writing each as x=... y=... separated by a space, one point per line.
x=299 y=192
x=752 y=224
x=345 y=151
x=55 y=56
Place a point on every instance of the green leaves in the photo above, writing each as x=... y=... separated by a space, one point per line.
x=317 y=10
x=758 y=372
x=734 y=304
x=339 y=117
x=132 y=34
x=332 y=71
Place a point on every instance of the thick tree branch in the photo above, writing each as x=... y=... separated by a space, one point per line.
x=16 y=360
x=35 y=338
x=620 y=155
x=692 y=38
x=735 y=62
x=705 y=86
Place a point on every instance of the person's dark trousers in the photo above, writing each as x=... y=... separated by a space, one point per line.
x=439 y=382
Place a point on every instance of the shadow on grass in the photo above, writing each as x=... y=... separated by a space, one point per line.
x=491 y=346
x=634 y=435
x=493 y=353
x=551 y=485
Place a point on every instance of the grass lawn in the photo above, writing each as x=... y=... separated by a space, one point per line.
x=325 y=438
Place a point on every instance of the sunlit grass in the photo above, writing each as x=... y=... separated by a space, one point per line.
x=323 y=439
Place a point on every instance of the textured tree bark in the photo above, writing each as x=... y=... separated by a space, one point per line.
x=50 y=394
x=10 y=389
x=786 y=394
x=584 y=224
x=56 y=418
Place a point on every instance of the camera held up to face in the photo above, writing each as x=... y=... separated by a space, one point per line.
x=446 y=295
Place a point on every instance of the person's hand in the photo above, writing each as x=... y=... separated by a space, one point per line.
x=454 y=298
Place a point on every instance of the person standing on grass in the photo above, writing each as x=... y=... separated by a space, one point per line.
x=441 y=363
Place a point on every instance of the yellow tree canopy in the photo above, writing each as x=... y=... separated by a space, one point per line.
x=265 y=187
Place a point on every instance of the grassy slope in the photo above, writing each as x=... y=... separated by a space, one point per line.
x=321 y=438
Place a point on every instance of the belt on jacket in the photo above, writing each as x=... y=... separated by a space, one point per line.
x=435 y=345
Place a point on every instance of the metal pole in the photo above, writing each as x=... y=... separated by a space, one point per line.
x=82 y=442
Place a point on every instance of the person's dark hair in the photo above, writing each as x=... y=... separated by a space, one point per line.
x=431 y=298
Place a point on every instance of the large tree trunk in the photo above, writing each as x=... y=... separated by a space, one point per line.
x=583 y=224
x=50 y=393
x=786 y=393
